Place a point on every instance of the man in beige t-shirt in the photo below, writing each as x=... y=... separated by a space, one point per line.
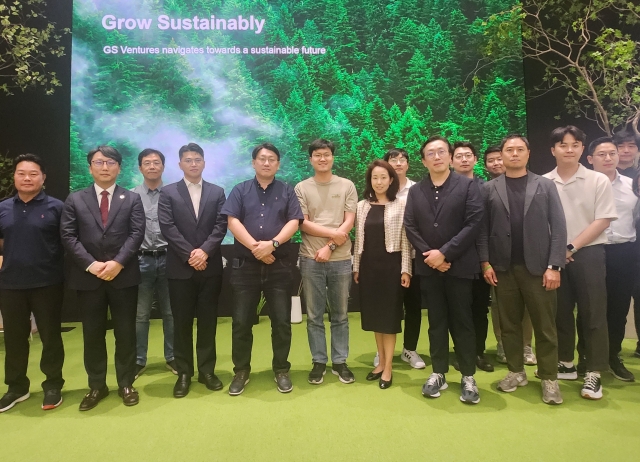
x=328 y=204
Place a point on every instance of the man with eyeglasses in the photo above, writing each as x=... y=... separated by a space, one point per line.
x=102 y=228
x=152 y=260
x=194 y=227
x=328 y=203
x=620 y=250
x=263 y=214
x=442 y=220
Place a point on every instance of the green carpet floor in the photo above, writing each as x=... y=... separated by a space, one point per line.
x=331 y=421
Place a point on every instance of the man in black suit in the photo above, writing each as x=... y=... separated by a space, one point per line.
x=190 y=221
x=102 y=228
x=522 y=247
x=442 y=220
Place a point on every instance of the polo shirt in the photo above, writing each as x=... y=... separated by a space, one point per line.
x=263 y=212
x=587 y=196
x=32 y=250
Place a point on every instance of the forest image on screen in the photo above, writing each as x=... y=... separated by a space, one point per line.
x=228 y=75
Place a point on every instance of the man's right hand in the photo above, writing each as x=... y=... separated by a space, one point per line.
x=97 y=267
x=268 y=259
x=489 y=274
x=339 y=237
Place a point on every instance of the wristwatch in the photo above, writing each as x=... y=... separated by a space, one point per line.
x=554 y=267
x=275 y=243
x=332 y=245
x=571 y=248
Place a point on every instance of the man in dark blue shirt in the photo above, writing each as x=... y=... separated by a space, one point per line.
x=263 y=213
x=31 y=281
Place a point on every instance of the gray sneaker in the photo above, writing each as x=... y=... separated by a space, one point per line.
x=551 y=392
x=500 y=356
x=512 y=381
x=529 y=358
x=284 y=382
x=469 y=393
x=434 y=384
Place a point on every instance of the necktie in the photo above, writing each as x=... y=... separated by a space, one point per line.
x=104 y=207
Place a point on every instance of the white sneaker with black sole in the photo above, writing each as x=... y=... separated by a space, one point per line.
x=567 y=372
x=10 y=399
x=592 y=387
x=413 y=358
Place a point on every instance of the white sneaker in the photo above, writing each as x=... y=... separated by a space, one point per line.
x=500 y=356
x=376 y=360
x=529 y=358
x=512 y=381
x=551 y=392
x=592 y=388
x=413 y=358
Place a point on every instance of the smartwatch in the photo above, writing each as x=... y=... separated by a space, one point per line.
x=275 y=243
x=554 y=267
x=571 y=248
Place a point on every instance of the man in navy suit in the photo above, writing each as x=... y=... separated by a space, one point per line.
x=190 y=221
x=102 y=228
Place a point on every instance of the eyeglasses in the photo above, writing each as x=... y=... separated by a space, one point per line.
x=603 y=155
x=321 y=156
x=431 y=154
x=100 y=163
x=266 y=160
x=148 y=163
x=189 y=161
x=465 y=156
x=398 y=161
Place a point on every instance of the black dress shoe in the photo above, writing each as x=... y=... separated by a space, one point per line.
x=129 y=396
x=92 y=398
x=210 y=381
x=384 y=384
x=181 y=388
x=483 y=364
x=371 y=376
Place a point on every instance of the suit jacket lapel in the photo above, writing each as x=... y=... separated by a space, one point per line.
x=501 y=187
x=532 y=186
x=90 y=198
x=116 y=202
x=206 y=189
x=184 y=192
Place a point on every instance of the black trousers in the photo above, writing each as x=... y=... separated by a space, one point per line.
x=46 y=305
x=481 y=293
x=412 y=299
x=449 y=309
x=123 y=305
x=622 y=264
x=196 y=297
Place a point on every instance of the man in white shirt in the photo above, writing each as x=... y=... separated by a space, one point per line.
x=620 y=250
x=587 y=200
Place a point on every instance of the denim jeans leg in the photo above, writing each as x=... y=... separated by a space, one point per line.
x=246 y=286
x=145 y=298
x=338 y=285
x=314 y=286
x=277 y=291
x=164 y=304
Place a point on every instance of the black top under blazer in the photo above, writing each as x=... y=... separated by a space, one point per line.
x=85 y=239
x=545 y=229
x=184 y=232
x=453 y=229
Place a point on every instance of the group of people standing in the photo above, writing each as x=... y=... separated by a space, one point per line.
x=531 y=246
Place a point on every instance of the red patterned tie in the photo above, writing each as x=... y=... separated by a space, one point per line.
x=104 y=207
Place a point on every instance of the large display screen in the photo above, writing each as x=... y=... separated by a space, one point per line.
x=228 y=75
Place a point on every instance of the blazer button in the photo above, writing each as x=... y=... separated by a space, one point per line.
x=508 y=235
x=435 y=225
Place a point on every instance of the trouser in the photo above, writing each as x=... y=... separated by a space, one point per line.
x=622 y=264
x=16 y=307
x=481 y=292
x=412 y=299
x=517 y=288
x=94 y=305
x=249 y=280
x=584 y=283
x=325 y=285
x=196 y=297
x=527 y=328
x=154 y=279
x=449 y=300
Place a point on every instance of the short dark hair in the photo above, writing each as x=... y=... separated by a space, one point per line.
x=268 y=147
x=392 y=192
x=559 y=133
x=490 y=150
x=465 y=144
x=431 y=140
x=321 y=143
x=514 y=136
x=597 y=142
x=395 y=152
x=625 y=136
x=107 y=151
x=147 y=152
x=191 y=147
x=29 y=158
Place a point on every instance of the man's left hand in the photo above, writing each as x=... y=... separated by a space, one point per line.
x=111 y=269
x=197 y=258
x=434 y=259
x=262 y=248
x=551 y=279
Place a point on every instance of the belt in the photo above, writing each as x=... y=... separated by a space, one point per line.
x=152 y=252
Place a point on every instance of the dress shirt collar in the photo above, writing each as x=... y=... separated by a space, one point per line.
x=188 y=183
x=158 y=189
x=110 y=189
x=255 y=180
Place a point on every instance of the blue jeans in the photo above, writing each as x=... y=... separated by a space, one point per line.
x=327 y=284
x=152 y=270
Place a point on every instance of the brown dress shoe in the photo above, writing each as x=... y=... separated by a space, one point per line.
x=129 y=396
x=92 y=398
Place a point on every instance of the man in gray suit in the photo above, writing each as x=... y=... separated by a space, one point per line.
x=102 y=228
x=523 y=240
